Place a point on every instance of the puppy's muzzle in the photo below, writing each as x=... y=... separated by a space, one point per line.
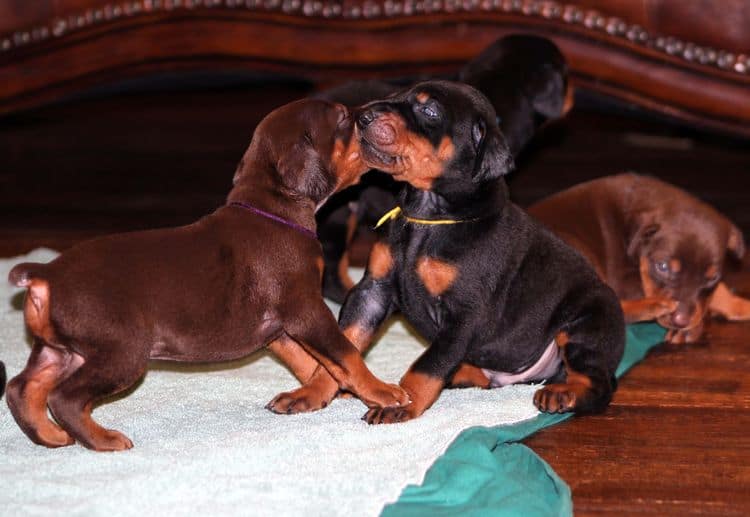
x=378 y=131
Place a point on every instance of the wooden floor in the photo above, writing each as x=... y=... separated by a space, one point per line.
x=676 y=439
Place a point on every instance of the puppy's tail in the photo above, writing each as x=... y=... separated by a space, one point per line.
x=36 y=307
x=2 y=378
x=23 y=274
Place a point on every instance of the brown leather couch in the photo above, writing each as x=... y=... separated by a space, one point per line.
x=688 y=59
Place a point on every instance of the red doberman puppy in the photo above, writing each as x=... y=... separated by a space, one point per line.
x=661 y=249
x=245 y=276
x=499 y=298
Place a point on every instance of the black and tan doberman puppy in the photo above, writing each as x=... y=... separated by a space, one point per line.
x=500 y=299
x=246 y=276
x=661 y=249
x=525 y=77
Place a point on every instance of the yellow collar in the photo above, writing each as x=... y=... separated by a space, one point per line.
x=396 y=212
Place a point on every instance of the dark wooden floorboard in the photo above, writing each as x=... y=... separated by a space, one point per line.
x=675 y=440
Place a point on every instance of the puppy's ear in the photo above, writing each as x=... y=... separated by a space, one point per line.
x=641 y=237
x=303 y=172
x=547 y=90
x=493 y=158
x=736 y=242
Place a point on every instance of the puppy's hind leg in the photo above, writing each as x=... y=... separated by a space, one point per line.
x=727 y=304
x=592 y=349
x=28 y=392
x=105 y=372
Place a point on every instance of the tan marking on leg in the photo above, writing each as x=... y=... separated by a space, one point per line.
x=301 y=364
x=423 y=390
x=380 y=262
x=359 y=336
x=102 y=439
x=729 y=305
x=563 y=397
x=28 y=401
x=562 y=338
x=436 y=274
x=468 y=376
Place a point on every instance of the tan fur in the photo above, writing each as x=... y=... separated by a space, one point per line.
x=422 y=97
x=380 y=262
x=423 y=390
x=419 y=162
x=294 y=357
x=729 y=305
x=436 y=275
x=468 y=376
x=347 y=162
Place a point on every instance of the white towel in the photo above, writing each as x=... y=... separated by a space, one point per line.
x=204 y=444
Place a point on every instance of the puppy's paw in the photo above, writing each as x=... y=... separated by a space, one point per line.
x=385 y=396
x=391 y=415
x=109 y=441
x=657 y=307
x=301 y=400
x=559 y=398
x=684 y=336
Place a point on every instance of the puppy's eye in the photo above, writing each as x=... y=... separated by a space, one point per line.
x=662 y=267
x=429 y=111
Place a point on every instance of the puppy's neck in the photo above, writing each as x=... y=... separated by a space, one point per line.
x=490 y=199
x=269 y=197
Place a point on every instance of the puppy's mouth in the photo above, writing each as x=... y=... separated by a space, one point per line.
x=375 y=157
x=667 y=321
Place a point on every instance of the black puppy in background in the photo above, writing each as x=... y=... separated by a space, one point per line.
x=525 y=78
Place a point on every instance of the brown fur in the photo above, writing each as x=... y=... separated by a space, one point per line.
x=661 y=249
x=215 y=290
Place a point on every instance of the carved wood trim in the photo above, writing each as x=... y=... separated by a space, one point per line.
x=324 y=39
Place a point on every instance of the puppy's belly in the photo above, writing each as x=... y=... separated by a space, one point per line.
x=227 y=341
x=547 y=365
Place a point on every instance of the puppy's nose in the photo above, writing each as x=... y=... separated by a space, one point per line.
x=680 y=319
x=366 y=118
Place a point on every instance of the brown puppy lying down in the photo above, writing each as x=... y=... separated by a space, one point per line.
x=246 y=276
x=661 y=249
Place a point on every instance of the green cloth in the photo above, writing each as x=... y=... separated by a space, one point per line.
x=485 y=472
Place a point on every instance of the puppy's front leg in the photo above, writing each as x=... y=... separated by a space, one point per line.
x=646 y=309
x=367 y=306
x=428 y=375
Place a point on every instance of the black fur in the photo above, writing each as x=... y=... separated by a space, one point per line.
x=525 y=78
x=517 y=285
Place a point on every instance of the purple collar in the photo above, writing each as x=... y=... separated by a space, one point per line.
x=305 y=231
